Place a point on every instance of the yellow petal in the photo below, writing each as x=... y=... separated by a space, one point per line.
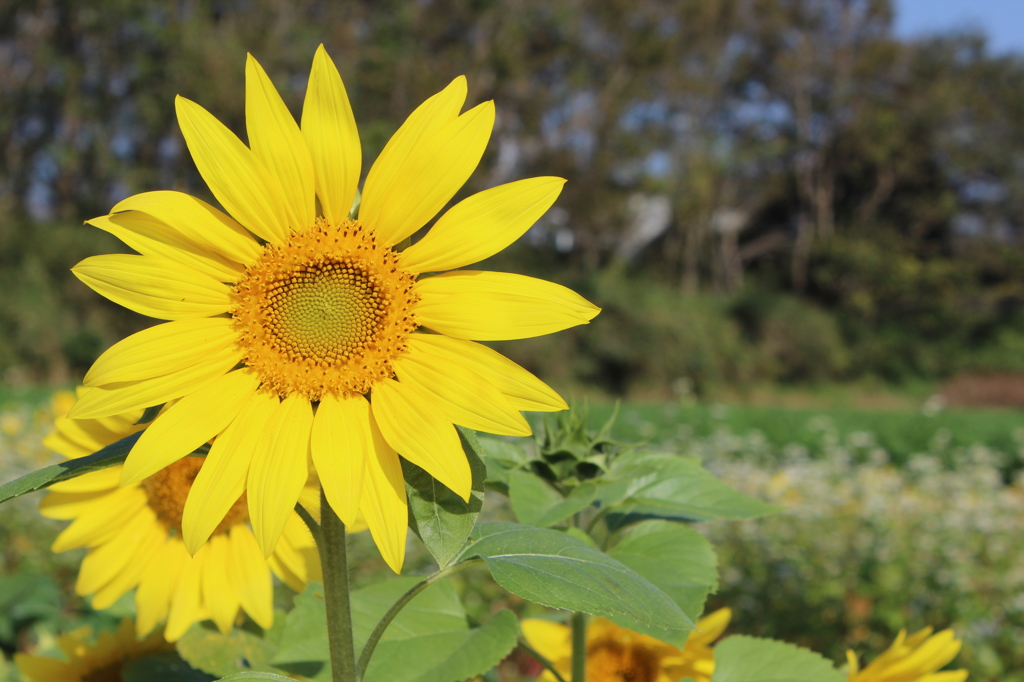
x=45 y=669
x=197 y=222
x=219 y=594
x=710 y=627
x=104 y=480
x=525 y=391
x=189 y=423
x=428 y=118
x=384 y=504
x=275 y=138
x=236 y=176
x=221 y=481
x=103 y=401
x=295 y=559
x=464 y=396
x=161 y=350
x=433 y=172
x=493 y=306
x=103 y=563
x=154 y=286
x=150 y=237
x=157 y=586
x=482 y=225
x=186 y=603
x=66 y=506
x=552 y=640
x=146 y=547
x=250 y=576
x=419 y=431
x=339 y=442
x=333 y=140
x=278 y=470
x=101 y=521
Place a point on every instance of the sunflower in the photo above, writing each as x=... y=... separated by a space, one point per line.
x=615 y=654
x=134 y=538
x=88 y=662
x=310 y=338
x=912 y=659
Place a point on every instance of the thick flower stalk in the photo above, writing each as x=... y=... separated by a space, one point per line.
x=298 y=334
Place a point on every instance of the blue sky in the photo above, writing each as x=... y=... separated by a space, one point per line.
x=1001 y=20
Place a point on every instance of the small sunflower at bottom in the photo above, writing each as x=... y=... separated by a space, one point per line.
x=101 y=661
x=134 y=538
x=615 y=653
x=916 y=658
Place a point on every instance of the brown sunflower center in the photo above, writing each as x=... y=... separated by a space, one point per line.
x=108 y=673
x=168 y=488
x=324 y=313
x=609 y=660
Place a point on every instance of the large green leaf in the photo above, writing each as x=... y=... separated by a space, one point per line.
x=446 y=656
x=672 y=487
x=557 y=570
x=678 y=560
x=751 y=659
x=303 y=646
x=166 y=667
x=536 y=503
x=205 y=648
x=441 y=519
x=112 y=455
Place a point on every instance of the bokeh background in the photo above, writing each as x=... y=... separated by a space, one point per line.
x=804 y=220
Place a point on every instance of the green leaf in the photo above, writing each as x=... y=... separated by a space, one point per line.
x=303 y=647
x=751 y=659
x=678 y=560
x=150 y=413
x=445 y=657
x=672 y=487
x=441 y=519
x=205 y=648
x=112 y=455
x=559 y=571
x=536 y=503
x=166 y=667
x=269 y=677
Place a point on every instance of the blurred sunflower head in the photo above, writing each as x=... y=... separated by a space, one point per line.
x=300 y=333
x=134 y=538
x=91 y=662
x=916 y=658
x=615 y=654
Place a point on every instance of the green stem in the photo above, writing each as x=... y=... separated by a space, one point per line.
x=334 y=562
x=548 y=665
x=378 y=632
x=579 y=647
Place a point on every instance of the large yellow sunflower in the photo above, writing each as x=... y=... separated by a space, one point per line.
x=134 y=538
x=91 y=662
x=916 y=658
x=615 y=653
x=302 y=338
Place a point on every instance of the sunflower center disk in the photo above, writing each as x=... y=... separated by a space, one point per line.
x=612 y=661
x=324 y=313
x=168 y=488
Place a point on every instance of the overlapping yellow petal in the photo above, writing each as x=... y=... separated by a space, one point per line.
x=103 y=401
x=154 y=286
x=235 y=175
x=384 y=504
x=493 y=306
x=144 y=548
x=157 y=586
x=912 y=659
x=197 y=222
x=250 y=577
x=482 y=225
x=340 y=443
x=525 y=391
x=103 y=563
x=218 y=591
x=221 y=481
x=189 y=423
x=186 y=602
x=98 y=522
x=275 y=138
x=278 y=470
x=465 y=397
x=330 y=131
x=150 y=237
x=420 y=432
x=382 y=182
x=161 y=350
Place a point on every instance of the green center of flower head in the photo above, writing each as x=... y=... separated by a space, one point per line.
x=324 y=312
